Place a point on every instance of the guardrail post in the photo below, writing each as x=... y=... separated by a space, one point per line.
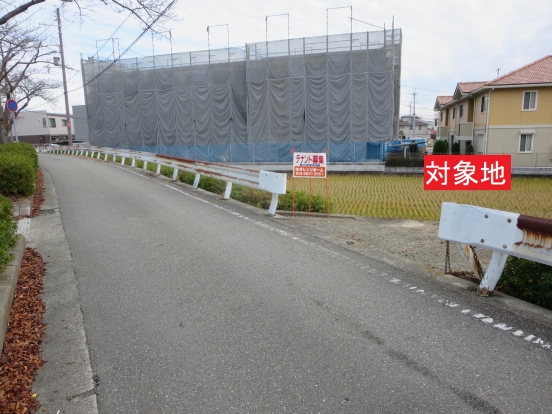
x=228 y=190
x=86 y=155
x=175 y=174
x=123 y=161
x=145 y=167
x=196 y=180
x=158 y=169
x=273 y=204
x=133 y=164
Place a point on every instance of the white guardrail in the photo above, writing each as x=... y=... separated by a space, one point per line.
x=504 y=233
x=271 y=182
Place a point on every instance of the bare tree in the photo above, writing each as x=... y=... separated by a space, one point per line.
x=21 y=53
x=146 y=11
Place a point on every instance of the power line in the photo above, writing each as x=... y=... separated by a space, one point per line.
x=149 y=26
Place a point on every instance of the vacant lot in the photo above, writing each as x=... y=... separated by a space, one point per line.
x=403 y=197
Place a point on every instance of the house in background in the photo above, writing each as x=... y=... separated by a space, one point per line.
x=509 y=115
x=42 y=127
x=422 y=128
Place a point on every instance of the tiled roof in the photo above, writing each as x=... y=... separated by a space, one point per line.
x=539 y=71
x=467 y=87
x=408 y=122
x=442 y=100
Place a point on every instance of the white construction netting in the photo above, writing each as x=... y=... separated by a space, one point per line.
x=253 y=104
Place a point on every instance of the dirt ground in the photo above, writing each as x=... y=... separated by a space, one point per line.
x=410 y=239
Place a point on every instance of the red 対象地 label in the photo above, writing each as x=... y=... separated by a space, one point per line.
x=467 y=172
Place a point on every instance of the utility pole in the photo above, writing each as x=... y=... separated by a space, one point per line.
x=67 y=113
x=414 y=117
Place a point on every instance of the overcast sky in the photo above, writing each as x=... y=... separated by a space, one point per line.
x=444 y=42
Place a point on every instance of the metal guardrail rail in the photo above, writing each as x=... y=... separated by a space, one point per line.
x=271 y=182
x=502 y=232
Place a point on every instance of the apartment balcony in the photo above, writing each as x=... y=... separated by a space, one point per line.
x=464 y=130
x=442 y=132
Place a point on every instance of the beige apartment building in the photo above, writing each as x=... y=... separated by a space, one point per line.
x=509 y=115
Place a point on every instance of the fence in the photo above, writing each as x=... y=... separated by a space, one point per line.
x=271 y=182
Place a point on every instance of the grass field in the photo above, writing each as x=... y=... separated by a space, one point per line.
x=395 y=196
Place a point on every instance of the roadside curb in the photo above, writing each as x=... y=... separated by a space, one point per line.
x=66 y=383
x=8 y=282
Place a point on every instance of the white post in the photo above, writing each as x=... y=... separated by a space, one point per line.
x=196 y=180
x=273 y=204
x=123 y=161
x=145 y=165
x=175 y=174
x=228 y=190
x=133 y=163
x=16 y=135
x=493 y=273
x=158 y=169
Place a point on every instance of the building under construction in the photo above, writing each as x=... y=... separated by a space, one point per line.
x=338 y=93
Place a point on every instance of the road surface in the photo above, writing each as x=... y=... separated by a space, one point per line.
x=196 y=304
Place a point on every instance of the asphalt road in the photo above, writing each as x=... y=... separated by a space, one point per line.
x=193 y=304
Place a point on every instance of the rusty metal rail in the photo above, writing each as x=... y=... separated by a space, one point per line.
x=271 y=182
x=502 y=232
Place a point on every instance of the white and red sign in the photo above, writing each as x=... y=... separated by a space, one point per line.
x=467 y=172
x=309 y=165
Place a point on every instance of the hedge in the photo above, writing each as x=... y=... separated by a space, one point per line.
x=7 y=231
x=22 y=148
x=440 y=147
x=404 y=162
x=17 y=174
x=527 y=280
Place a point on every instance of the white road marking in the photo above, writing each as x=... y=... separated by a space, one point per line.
x=486 y=319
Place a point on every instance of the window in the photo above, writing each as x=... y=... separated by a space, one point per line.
x=43 y=122
x=483 y=104
x=52 y=122
x=461 y=111
x=529 y=101
x=64 y=122
x=419 y=127
x=454 y=113
x=441 y=118
x=526 y=143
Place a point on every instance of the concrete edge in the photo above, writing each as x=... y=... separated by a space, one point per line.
x=8 y=282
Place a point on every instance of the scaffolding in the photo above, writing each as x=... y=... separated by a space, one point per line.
x=254 y=104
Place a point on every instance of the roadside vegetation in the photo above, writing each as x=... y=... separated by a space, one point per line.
x=18 y=173
x=526 y=280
